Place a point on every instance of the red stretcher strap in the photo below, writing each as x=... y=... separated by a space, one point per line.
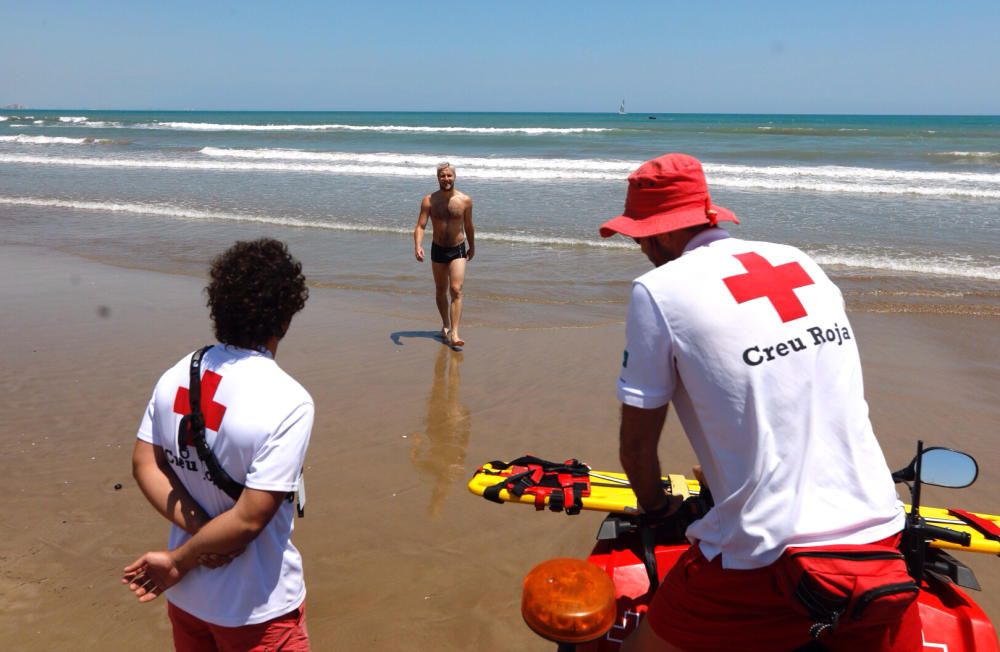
x=990 y=529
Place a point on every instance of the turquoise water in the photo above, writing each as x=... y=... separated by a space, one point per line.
x=904 y=210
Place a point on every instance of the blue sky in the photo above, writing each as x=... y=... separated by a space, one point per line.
x=879 y=56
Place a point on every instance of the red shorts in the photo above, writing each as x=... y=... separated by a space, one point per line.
x=701 y=607
x=286 y=633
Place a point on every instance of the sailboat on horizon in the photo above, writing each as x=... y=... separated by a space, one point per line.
x=621 y=107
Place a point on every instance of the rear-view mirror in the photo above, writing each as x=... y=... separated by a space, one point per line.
x=944 y=467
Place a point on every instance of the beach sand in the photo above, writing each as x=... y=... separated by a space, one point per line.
x=397 y=552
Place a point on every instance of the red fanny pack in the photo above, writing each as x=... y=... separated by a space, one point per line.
x=831 y=584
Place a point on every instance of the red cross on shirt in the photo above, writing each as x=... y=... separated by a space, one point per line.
x=765 y=280
x=213 y=411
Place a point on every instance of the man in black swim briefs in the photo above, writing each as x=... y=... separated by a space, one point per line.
x=445 y=255
x=453 y=243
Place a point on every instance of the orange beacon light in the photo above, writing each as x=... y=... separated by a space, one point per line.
x=568 y=601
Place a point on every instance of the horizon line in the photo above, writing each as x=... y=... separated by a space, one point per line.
x=18 y=107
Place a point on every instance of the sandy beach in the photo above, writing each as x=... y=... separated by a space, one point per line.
x=397 y=553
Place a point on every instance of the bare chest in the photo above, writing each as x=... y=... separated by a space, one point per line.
x=448 y=208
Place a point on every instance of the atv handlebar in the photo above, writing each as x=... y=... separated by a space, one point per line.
x=944 y=534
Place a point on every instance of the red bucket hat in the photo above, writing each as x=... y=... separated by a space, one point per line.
x=666 y=194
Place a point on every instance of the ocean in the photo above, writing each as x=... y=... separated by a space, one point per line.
x=902 y=211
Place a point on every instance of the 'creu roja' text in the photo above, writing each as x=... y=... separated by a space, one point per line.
x=814 y=336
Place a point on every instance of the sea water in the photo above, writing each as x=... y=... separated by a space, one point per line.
x=902 y=211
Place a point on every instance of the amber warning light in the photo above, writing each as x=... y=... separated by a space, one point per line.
x=568 y=601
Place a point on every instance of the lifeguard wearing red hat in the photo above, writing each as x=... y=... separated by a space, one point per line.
x=667 y=194
x=722 y=329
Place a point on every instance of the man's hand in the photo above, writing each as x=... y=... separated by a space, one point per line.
x=471 y=252
x=226 y=535
x=661 y=513
x=152 y=574
x=420 y=254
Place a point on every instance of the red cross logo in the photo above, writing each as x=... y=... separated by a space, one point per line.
x=776 y=283
x=213 y=411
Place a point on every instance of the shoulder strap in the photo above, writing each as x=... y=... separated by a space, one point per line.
x=194 y=391
x=194 y=425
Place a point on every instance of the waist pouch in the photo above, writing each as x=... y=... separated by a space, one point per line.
x=833 y=584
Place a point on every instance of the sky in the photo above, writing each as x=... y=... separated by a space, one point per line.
x=808 y=56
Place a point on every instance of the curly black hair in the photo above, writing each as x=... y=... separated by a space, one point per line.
x=255 y=288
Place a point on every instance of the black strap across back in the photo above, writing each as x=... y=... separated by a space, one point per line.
x=193 y=426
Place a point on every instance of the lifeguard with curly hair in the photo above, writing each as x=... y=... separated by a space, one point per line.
x=222 y=469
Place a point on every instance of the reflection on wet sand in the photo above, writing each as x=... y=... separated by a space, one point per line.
x=439 y=451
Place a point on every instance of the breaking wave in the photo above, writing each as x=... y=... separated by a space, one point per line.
x=53 y=140
x=911 y=264
x=885 y=261
x=329 y=224
x=820 y=179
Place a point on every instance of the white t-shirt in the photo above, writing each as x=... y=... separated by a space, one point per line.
x=750 y=342
x=258 y=422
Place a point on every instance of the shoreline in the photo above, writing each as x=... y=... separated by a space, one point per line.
x=555 y=284
x=394 y=547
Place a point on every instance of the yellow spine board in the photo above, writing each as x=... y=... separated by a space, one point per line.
x=611 y=492
x=939 y=516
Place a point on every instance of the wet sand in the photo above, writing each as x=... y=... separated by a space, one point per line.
x=397 y=553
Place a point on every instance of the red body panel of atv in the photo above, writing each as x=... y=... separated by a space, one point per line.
x=952 y=622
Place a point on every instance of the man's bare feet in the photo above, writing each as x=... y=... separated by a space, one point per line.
x=454 y=339
x=444 y=335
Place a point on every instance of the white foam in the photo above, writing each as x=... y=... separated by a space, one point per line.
x=909 y=263
x=853 y=188
x=737 y=174
x=424 y=161
x=837 y=172
x=553 y=241
x=45 y=140
x=210 y=126
x=181 y=212
x=348 y=168
x=885 y=261
x=72 y=118
x=810 y=130
x=101 y=124
x=3 y=118
x=968 y=154
x=825 y=179
x=856 y=180
x=803 y=130
x=163 y=210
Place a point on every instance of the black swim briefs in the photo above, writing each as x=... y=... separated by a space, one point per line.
x=445 y=255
